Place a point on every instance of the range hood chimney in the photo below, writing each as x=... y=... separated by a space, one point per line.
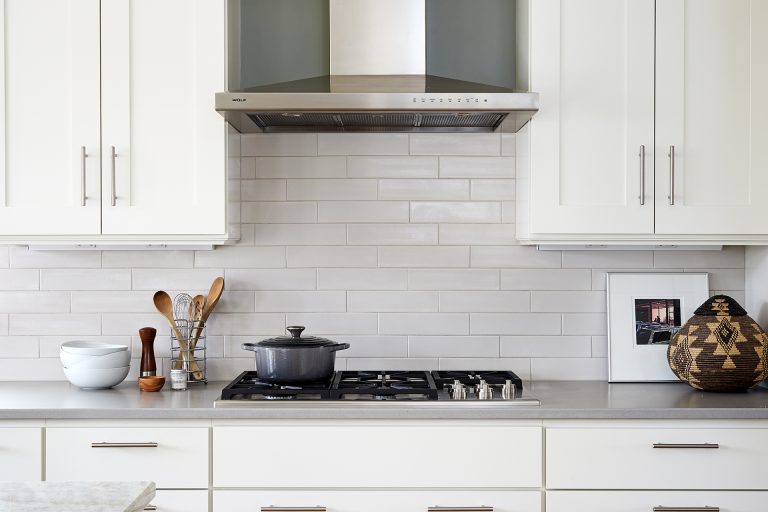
x=381 y=76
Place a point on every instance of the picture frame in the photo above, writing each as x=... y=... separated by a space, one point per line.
x=644 y=311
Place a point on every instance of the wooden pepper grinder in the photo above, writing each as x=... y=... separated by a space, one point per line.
x=148 y=365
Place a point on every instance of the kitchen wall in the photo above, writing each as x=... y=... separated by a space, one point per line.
x=401 y=244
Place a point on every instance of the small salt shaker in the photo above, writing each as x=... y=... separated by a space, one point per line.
x=178 y=379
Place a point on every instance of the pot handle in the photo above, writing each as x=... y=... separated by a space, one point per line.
x=338 y=346
x=295 y=330
x=249 y=346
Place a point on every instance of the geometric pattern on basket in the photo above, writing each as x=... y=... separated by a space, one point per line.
x=720 y=348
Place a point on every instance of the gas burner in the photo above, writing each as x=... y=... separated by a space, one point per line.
x=383 y=385
x=248 y=386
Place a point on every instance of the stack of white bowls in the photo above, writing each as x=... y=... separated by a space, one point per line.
x=95 y=365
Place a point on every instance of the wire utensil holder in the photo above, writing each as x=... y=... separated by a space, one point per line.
x=189 y=354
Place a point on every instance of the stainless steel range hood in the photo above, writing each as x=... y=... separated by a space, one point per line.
x=378 y=80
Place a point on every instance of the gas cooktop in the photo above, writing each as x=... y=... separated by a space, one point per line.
x=498 y=387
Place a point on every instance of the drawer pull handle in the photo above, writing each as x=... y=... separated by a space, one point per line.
x=482 y=508
x=686 y=509
x=150 y=507
x=123 y=445
x=709 y=446
x=293 y=509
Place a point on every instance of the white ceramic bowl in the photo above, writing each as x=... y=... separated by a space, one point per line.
x=98 y=378
x=112 y=360
x=91 y=348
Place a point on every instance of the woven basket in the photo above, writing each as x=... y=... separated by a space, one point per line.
x=720 y=348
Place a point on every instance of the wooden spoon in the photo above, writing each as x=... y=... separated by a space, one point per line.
x=214 y=294
x=164 y=304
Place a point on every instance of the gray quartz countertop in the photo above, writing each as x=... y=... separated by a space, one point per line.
x=559 y=400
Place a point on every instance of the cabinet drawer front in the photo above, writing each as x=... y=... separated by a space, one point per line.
x=179 y=501
x=21 y=456
x=629 y=501
x=400 y=455
x=625 y=458
x=376 y=501
x=170 y=457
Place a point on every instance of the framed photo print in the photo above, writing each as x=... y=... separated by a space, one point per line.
x=644 y=311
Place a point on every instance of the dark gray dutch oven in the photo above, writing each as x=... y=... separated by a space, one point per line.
x=295 y=358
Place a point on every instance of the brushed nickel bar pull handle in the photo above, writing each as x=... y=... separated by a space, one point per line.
x=124 y=445
x=150 y=507
x=686 y=509
x=711 y=446
x=114 y=186
x=671 y=156
x=482 y=508
x=83 y=156
x=642 y=175
x=293 y=509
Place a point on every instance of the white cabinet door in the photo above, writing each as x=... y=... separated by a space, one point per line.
x=179 y=501
x=49 y=117
x=377 y=501
x=21 y=456
x=592 y=62
x=626 y=501
x=162 y=62
x=712 y=106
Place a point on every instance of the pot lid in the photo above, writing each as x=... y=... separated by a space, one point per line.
x=720 y=305
x=296 y=340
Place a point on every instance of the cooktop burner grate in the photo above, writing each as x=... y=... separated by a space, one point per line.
x=383 y=385
x=248 y=386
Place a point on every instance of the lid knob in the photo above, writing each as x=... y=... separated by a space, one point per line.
x=295 y=330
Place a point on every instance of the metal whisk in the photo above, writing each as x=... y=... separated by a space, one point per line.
x=182 y=313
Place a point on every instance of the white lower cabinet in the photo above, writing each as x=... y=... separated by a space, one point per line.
x=179 y=501
x=175 y=458
x=376 y=501
x=655 y=501
x=21 y=455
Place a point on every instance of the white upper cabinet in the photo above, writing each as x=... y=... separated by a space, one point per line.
x=592 y=64
x=109 y=131
x=712 y=107
x=49 y=117
x=645 y=104
x=162 y=62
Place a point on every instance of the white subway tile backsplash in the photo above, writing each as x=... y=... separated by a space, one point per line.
x=456 y=144
x=334 y=323
x=278 y=144
x=549 y=279
x=392 y=301
x=392 y=167
x=477 y=167
x=515 y=323
x=361 y=279
x=453 y=279
x=455 y=212
x=427 y=190
x=19 y=279
x=299 y=167
x=402 y=245
x=332 y=189
x=299 y=234
x=301 y=301
x=234 y=256
x=424 y=256
x=263 y=190
x=392 y=234
x=568 y=302
x=34 y=302
x=279 y=212
x=492 y=190
x=362 y=144
x=330 y=256
x=430 y=324
x=86 y=279
x=453 y=346
x=54 y=323
x=546 y=346
x=472 y=234
x=363 y=211
x=271 y=279
x=22 y=257
x=485 y=302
